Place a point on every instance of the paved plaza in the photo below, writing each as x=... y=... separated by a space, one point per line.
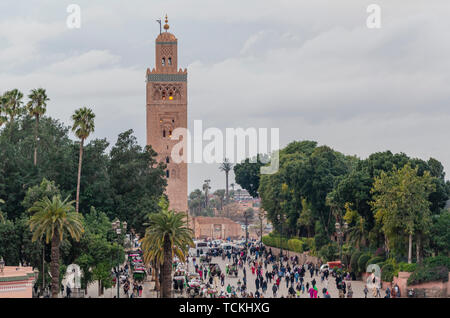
x=357 y=286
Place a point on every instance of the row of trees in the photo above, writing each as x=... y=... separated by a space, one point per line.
x=126 y=183
x=387 y=200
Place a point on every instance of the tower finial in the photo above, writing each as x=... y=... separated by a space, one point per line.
x=166 y=26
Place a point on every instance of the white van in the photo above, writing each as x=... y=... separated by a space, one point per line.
x=200 y=248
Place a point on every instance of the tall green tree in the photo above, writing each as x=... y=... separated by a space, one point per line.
x=137 y=181
x=220 y=194
x=247 y=175
x=83 y=126
x=401 y=205
x=36 y=107
x=167 y=235
x=53 y=219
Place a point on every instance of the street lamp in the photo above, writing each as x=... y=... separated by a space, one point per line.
x=2 y=265
x=118 y=231
x=281 y=235
x=340 y=231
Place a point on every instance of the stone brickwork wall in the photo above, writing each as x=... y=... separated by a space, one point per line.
x=167 y=110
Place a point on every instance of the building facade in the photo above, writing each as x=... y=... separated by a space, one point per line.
x=215 y=228
x=167 y=110
x=16 y=282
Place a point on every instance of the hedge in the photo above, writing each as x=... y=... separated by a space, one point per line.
x=437 y=261
x=405 y=267
x=387 y=272
x=425 y=274
x=298 y=245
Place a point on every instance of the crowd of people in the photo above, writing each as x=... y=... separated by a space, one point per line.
x=268 y=271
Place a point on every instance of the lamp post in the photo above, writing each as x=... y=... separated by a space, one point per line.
x=246 y=228
x=118 y=231
x=281 y=236
x=340 y=231
x=2 y=265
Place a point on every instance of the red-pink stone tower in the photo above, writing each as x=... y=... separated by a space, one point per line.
x=167 y=110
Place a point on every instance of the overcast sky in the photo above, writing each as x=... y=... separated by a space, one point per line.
x=311 y=68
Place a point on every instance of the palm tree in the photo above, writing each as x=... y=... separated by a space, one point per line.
x=220 y=194
x=206 y=188
x=83 y=126
x=52 y=219
x=37 y=106
x=357 y=233
x=167 y=235
x=226 y=167
x=12 y=103
x=2 y=218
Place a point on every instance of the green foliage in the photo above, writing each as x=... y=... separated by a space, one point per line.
x=125 y=183
x=401 y=217
x=440 y=260
x=424 y=274
x=387 y=272
x=299 y=245
x=247 y=175
x=362 y=262
x=295 y=245
x=354 y=261
x=102 y=272
x=328 y=252
x=9 y=248
x=375 y=260
x=405 y=267
x=440 y=232
x=137 y=181
x=38 y=192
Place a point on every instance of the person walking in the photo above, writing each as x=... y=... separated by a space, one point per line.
x=274 y=290
x=365 y=291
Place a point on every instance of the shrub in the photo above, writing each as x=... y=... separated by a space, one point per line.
x=295 y=245
x=362 y=261
x=309 y=244
x=437 y=261
x=424 y=274
x=405 y=267
x=328 y=252
x=387 y=272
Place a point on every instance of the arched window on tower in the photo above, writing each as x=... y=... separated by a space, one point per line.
x=164 y=133
x=163 y=61
x=167 y=160
x=169 y=61
x=167 y=173
x=163 y=95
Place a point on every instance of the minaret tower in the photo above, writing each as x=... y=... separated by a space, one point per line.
x=167 y=110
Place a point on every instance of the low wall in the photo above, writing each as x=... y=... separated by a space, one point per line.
x=424 y=290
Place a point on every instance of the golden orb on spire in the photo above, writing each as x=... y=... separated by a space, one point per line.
x=166 y=26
